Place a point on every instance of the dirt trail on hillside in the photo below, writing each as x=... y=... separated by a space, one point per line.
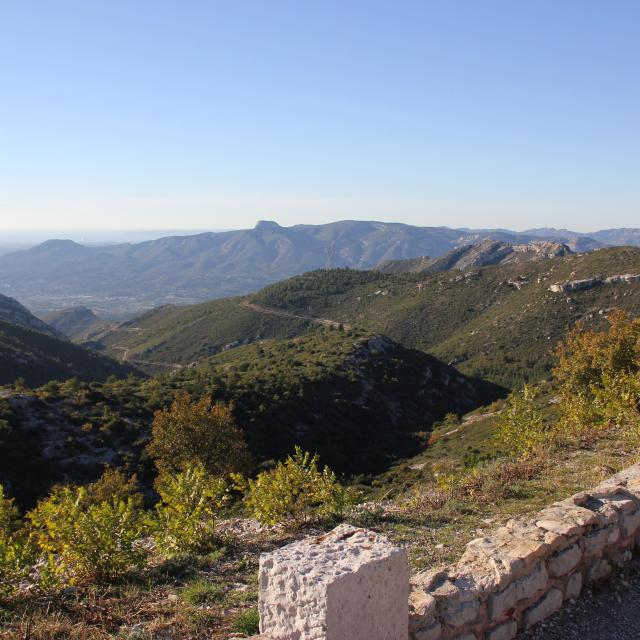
x=285 y=314
x=125 y=358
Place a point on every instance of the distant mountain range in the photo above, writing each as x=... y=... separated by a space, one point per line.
x=120 y=280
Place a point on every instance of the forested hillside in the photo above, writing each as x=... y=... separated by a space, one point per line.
x=498 y=322
x=373 y=396
x=37 y=358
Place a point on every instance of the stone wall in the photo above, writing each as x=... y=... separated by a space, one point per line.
x=505 y=582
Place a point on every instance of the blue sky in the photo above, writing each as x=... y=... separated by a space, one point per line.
x=478 y=113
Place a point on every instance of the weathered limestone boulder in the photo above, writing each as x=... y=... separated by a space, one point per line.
x=350 y=583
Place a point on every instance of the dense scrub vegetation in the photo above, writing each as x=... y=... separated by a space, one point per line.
x=183 y=335
x=375 y=397
x=514 y=455
x=37 y=358
x=498 y=323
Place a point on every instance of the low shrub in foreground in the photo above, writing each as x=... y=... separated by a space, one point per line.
x=186 y=514
x=92 y=542
x=296 y=492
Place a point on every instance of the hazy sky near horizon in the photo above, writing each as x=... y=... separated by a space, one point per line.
x=214 y=114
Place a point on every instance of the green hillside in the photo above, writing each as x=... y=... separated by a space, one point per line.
x=38 y=358
x=79 y=324
x=183 y=335
x=365 y=392
x=361 y=401
x=498 y=323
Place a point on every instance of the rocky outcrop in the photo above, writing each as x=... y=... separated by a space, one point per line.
x=590 y=283
x=484 y=253
x=505 y=582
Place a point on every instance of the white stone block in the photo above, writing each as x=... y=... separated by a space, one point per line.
x=350 y=583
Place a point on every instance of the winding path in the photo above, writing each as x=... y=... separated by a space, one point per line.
x=286 y=314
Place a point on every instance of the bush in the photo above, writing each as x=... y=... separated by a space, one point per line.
x=92 y=541
x=197 y=433
x=113 y=483
x=17 y=556
x=296 y=492
x=598 y=375
x=186 y=514
x=8 y=514
x=521 y=428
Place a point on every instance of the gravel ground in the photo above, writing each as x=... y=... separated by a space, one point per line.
x=610 y=611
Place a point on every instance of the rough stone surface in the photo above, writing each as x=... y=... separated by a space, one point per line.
x=548 y=605
x=431 y=632
x=574 y=586
x=630 y=523
x=505 y=631
x=353 y=584
x=595 y=542
x=422 y=609
x=456 y=614
x=599 y=571
x=349 y=583
x=521 y=589
x=564 y=562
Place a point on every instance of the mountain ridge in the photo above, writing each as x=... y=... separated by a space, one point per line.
x=484 y=253
x=120 y=280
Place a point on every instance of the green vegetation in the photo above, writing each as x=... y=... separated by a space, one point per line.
x=200 y=433
x=79 y=324
x=373 y=396
x=522 y=429
x=476 y=472
x=37 y=358
x=247 y=622
x=296 y=492
x=92 y=542
x=499 y=323
x=183 y=335
x=185 y=517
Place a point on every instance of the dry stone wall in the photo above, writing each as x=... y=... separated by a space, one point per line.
x=504 y=583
